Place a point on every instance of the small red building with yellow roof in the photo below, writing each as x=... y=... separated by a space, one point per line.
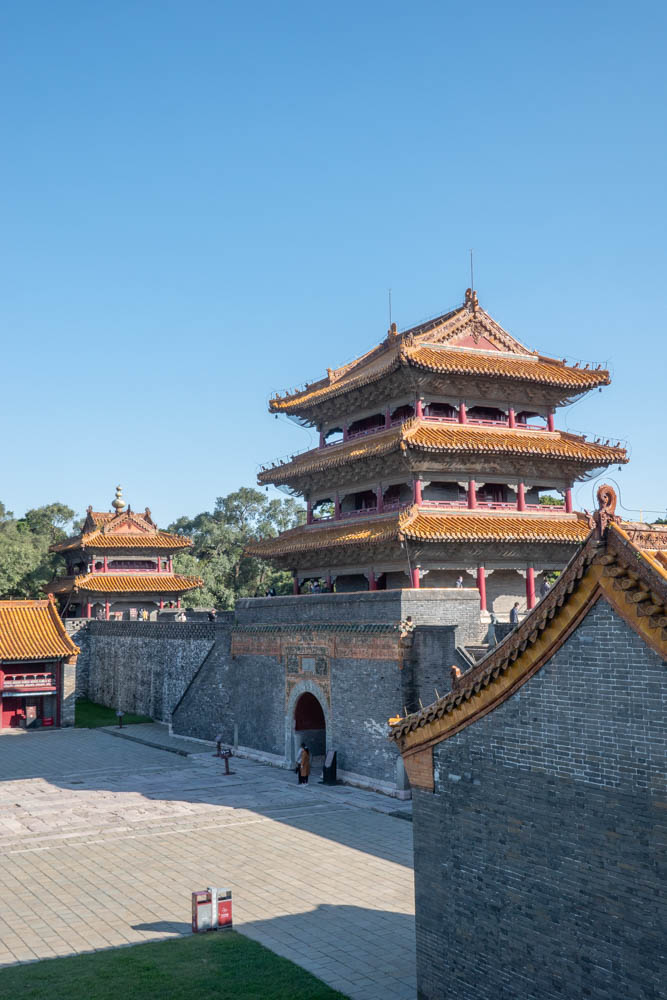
x=37 y=666
x=120 y=566
x=439 y=464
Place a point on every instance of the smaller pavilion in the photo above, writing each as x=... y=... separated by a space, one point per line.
x=37 y=666
x=120 y=567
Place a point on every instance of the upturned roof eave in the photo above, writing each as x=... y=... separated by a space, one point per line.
x=597 y=568
x=318 y=461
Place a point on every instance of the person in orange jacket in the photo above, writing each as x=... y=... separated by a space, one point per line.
x=304 y=766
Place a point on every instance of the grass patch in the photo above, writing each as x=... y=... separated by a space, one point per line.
x=222 y=964
x=88 y=715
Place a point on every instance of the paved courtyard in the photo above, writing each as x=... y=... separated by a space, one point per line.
x=103 y=839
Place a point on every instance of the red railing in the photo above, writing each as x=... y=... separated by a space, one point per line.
x=397 y=505
x=364 y=512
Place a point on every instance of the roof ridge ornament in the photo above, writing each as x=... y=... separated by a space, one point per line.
x=605 y=515
x=118 y=503
x=471 y=301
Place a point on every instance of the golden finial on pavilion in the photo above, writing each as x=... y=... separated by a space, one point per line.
x=118 y=504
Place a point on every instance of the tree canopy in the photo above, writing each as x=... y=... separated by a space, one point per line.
x=26 y=564
x=220 y=538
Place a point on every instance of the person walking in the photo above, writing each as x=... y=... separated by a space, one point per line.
x=304 y=766
x=459 y=583
x=514 y=614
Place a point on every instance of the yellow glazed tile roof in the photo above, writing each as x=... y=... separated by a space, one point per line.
x=432 y=347
x=545 y=371
x=111 y=583
x=500 y=440
x=162 y=540
x=425 y=435
x=418 y=525
x=436 y=527
x=32 y=630
x=305 y=537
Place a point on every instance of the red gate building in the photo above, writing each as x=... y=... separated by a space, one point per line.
x=37 y=666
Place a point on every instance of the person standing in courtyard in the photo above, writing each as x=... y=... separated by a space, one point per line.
x=304 y=766
x=514 y=614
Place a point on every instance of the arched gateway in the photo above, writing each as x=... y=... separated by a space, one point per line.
x=307 y=720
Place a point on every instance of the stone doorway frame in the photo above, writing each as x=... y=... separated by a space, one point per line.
x=304 y=686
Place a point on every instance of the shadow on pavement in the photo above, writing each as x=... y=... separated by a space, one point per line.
x=182 y=787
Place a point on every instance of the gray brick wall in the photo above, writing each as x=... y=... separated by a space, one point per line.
x=247 y=692
x=364 y=694
x=142 y=667
x=536 y=860
x=185 y=673
x=451 y=607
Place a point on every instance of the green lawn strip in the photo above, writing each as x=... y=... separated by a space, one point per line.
x=223 y=964
x=88 y=715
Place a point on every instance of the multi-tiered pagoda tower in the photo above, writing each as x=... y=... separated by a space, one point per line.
x=439 y=461
x=120 y=566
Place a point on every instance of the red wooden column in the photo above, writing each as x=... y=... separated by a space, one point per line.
x=463 y=419
x=372 y=582
x=106 y=565
x=521 y=497
x=417 y=490
x=415 y=578
x=309 y=512
x=419 y=408
x=472 y=497
x=89 y=609
x=380 y=500
x=295 y=583
x=159 y=564
x=511 y=419
x=345 y=432
x=481 y=586
x=530 y=587
x=550 y=421
x=161 y=603
x=387 y=417
x=106 y=610
x=171 y=564
x=337 y=507
x=321 y=439
x=328 y=582
x=568 y=501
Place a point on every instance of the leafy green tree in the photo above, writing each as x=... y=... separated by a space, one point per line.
x=220 y=538
x=26 y=565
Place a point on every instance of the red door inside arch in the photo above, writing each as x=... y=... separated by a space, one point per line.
x=310 y=725
x=308 y=713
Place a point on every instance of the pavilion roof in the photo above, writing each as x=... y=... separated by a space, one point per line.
x=161 y=540
x=137 y=583
x=32 y=630
x=425 y=435
x=616 y=562
x=424 y=526
x=465 y=341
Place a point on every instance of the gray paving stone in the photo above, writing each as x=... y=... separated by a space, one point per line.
x=115 y=835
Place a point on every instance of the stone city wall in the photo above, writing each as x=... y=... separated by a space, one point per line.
x=242 y=675
x=536 y=858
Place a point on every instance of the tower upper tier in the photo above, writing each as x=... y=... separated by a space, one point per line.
x=452 y=352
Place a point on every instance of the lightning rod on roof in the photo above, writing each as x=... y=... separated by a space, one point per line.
x=472 y=273
x=390 y=308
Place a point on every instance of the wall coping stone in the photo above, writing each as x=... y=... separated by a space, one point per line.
x=302 y=626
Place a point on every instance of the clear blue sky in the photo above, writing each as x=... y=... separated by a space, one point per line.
x=204 y=202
